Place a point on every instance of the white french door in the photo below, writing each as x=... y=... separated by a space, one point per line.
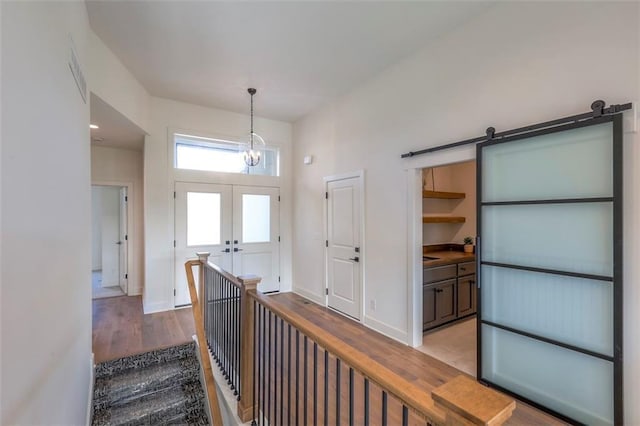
x=202 y=224
x=123 y=242
x=344 y=270
x=237 y=225
x=256 y=233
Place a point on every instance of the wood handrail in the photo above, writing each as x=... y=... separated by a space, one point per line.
x=408 y=393
x=212 y=396
x=459 y=401
x=232 y=278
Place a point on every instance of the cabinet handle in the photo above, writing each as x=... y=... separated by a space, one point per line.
x=437 y=290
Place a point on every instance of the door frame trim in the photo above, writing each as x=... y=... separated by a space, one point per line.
x=414 y=168
x=360 y=175
x=131 y=268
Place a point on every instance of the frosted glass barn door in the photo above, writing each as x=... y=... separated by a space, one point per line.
x=550 y=269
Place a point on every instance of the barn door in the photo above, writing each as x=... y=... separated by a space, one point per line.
x=550 y=269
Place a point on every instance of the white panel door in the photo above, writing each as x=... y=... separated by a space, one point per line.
x=123 y=243
x=202 y=223
x=110 y=236
x=344 y=269
x=256 y=234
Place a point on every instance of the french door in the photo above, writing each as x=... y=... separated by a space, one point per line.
x=550 y=268
x=237 y=225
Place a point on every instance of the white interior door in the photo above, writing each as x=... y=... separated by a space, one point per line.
x=123 y=242
x=110 y=236
x=202 y=223
x=344 y=269
x=256 y=234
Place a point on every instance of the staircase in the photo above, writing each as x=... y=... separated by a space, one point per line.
x=154 y=388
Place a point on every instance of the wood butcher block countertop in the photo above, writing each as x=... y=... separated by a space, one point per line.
x=446 y=254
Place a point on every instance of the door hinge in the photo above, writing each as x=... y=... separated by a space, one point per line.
x=174 y=243
x=174 y=291
x=126 y=198
x=326 y=243
x=126 y=276
x=326 y=291
x=278 y=278
x=278 y=198
x=174 y=195
x=326 y=195
x=126 y=238
x=278 y=238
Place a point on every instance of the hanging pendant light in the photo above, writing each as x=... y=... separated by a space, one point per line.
x=253 y=154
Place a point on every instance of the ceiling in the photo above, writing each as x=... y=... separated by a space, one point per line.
x=115 y=130
x=299 y=55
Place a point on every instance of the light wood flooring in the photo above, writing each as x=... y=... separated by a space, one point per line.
x=120 y=328
x=454 y=345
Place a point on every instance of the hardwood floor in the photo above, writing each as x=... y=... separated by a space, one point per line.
x=120 y=328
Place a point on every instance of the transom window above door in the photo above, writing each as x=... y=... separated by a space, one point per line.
x=216 y=155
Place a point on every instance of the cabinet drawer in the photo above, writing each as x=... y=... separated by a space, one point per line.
x=466 y=268
x=439 y=273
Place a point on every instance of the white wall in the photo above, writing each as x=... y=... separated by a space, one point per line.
x=46 y=229
x=159 y=178
x=115 y=85
x=519 y=63
x=96 y=229
x=122 y=166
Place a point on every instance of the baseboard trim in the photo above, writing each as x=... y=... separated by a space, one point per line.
x=320 y=300
x=92 y=370
x=387 y=330
x=150 y=308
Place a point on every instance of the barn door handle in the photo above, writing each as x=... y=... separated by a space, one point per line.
x=355 y=259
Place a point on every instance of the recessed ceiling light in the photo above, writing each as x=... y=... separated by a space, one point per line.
x=93 y=126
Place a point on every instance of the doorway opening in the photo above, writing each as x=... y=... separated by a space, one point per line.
x=449 y=293
x=109 y=253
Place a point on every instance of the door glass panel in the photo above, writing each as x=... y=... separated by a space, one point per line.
x=572 y=383
x=566 y=237
x=574 y=163
x=256 y=218
x=203 y=218
x=575 y=311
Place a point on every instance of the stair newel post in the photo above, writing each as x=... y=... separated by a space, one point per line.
x=203 y=257
x=249 y=284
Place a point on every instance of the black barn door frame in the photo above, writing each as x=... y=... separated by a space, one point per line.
x=616 y=279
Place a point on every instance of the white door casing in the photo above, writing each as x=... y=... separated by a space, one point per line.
x=202 y=224
x=344 y=245
x=256 y=234
x=123 y=242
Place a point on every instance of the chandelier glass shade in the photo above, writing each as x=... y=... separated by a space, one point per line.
x=253 y=152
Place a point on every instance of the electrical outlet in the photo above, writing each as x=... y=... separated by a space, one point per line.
x=372 y=304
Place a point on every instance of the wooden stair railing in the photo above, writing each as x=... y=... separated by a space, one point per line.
x=460 y=401
x=212 y=397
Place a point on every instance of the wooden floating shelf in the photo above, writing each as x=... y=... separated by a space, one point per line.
x=443 y=194
x=443 y=219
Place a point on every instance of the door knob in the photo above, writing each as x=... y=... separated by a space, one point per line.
x=236 y=249
x=355 y=259
x=225 y=250
x=119 y=242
